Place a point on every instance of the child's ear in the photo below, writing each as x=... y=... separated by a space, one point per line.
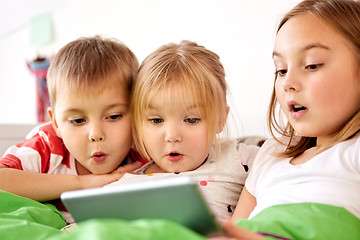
x=223 y=121
x=51 y=114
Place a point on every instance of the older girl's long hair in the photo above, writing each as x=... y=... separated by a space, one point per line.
x=344 y=17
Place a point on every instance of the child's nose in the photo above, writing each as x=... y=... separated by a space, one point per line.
x=290 y=83
x=173 y=133
x=96 y=133
x=96 y=138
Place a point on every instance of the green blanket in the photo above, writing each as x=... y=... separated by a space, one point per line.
x=22 y=218
x=304 y=221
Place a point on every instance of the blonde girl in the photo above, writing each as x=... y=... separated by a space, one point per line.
x=179 y=109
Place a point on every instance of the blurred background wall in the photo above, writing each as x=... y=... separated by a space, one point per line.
x=241 y=32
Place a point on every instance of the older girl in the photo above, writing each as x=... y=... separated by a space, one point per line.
x=305 y=184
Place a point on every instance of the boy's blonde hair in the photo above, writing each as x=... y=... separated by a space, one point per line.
x=189 y=70
x=344 y=17
x=91 y=64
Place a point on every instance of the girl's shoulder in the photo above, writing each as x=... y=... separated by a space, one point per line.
x=252 y=140
x=239 y=152
x=274 y=146
x=250 y=143
x=267 y=154
x=236 y=148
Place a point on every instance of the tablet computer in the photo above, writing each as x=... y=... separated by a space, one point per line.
x=174 y=198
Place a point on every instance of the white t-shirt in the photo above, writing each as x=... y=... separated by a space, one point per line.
x=331 y=177
x=219 y=181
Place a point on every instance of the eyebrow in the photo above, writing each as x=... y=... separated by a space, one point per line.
x=306 y=48
x=76 y=110
x=158 y=107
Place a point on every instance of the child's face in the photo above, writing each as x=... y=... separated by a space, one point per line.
x=175 y=137
x=318 y=82
x=96 y=128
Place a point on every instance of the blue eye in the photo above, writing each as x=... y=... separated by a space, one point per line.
x=156 y=120
x=192 y=120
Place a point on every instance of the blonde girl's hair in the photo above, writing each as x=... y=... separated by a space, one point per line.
x=344 y=17
x=91 y=64
x=189 y=70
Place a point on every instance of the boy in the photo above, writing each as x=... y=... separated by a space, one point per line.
x=89 y=136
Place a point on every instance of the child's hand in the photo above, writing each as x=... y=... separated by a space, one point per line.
x=94 y=180
x=99 y=180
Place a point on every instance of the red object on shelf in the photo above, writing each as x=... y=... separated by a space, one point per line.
x=39 y=68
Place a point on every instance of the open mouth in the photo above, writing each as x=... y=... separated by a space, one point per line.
x=297 y=108
x=174 y=154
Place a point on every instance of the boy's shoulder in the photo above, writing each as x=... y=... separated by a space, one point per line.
x=46 y=128
x=44 y=137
